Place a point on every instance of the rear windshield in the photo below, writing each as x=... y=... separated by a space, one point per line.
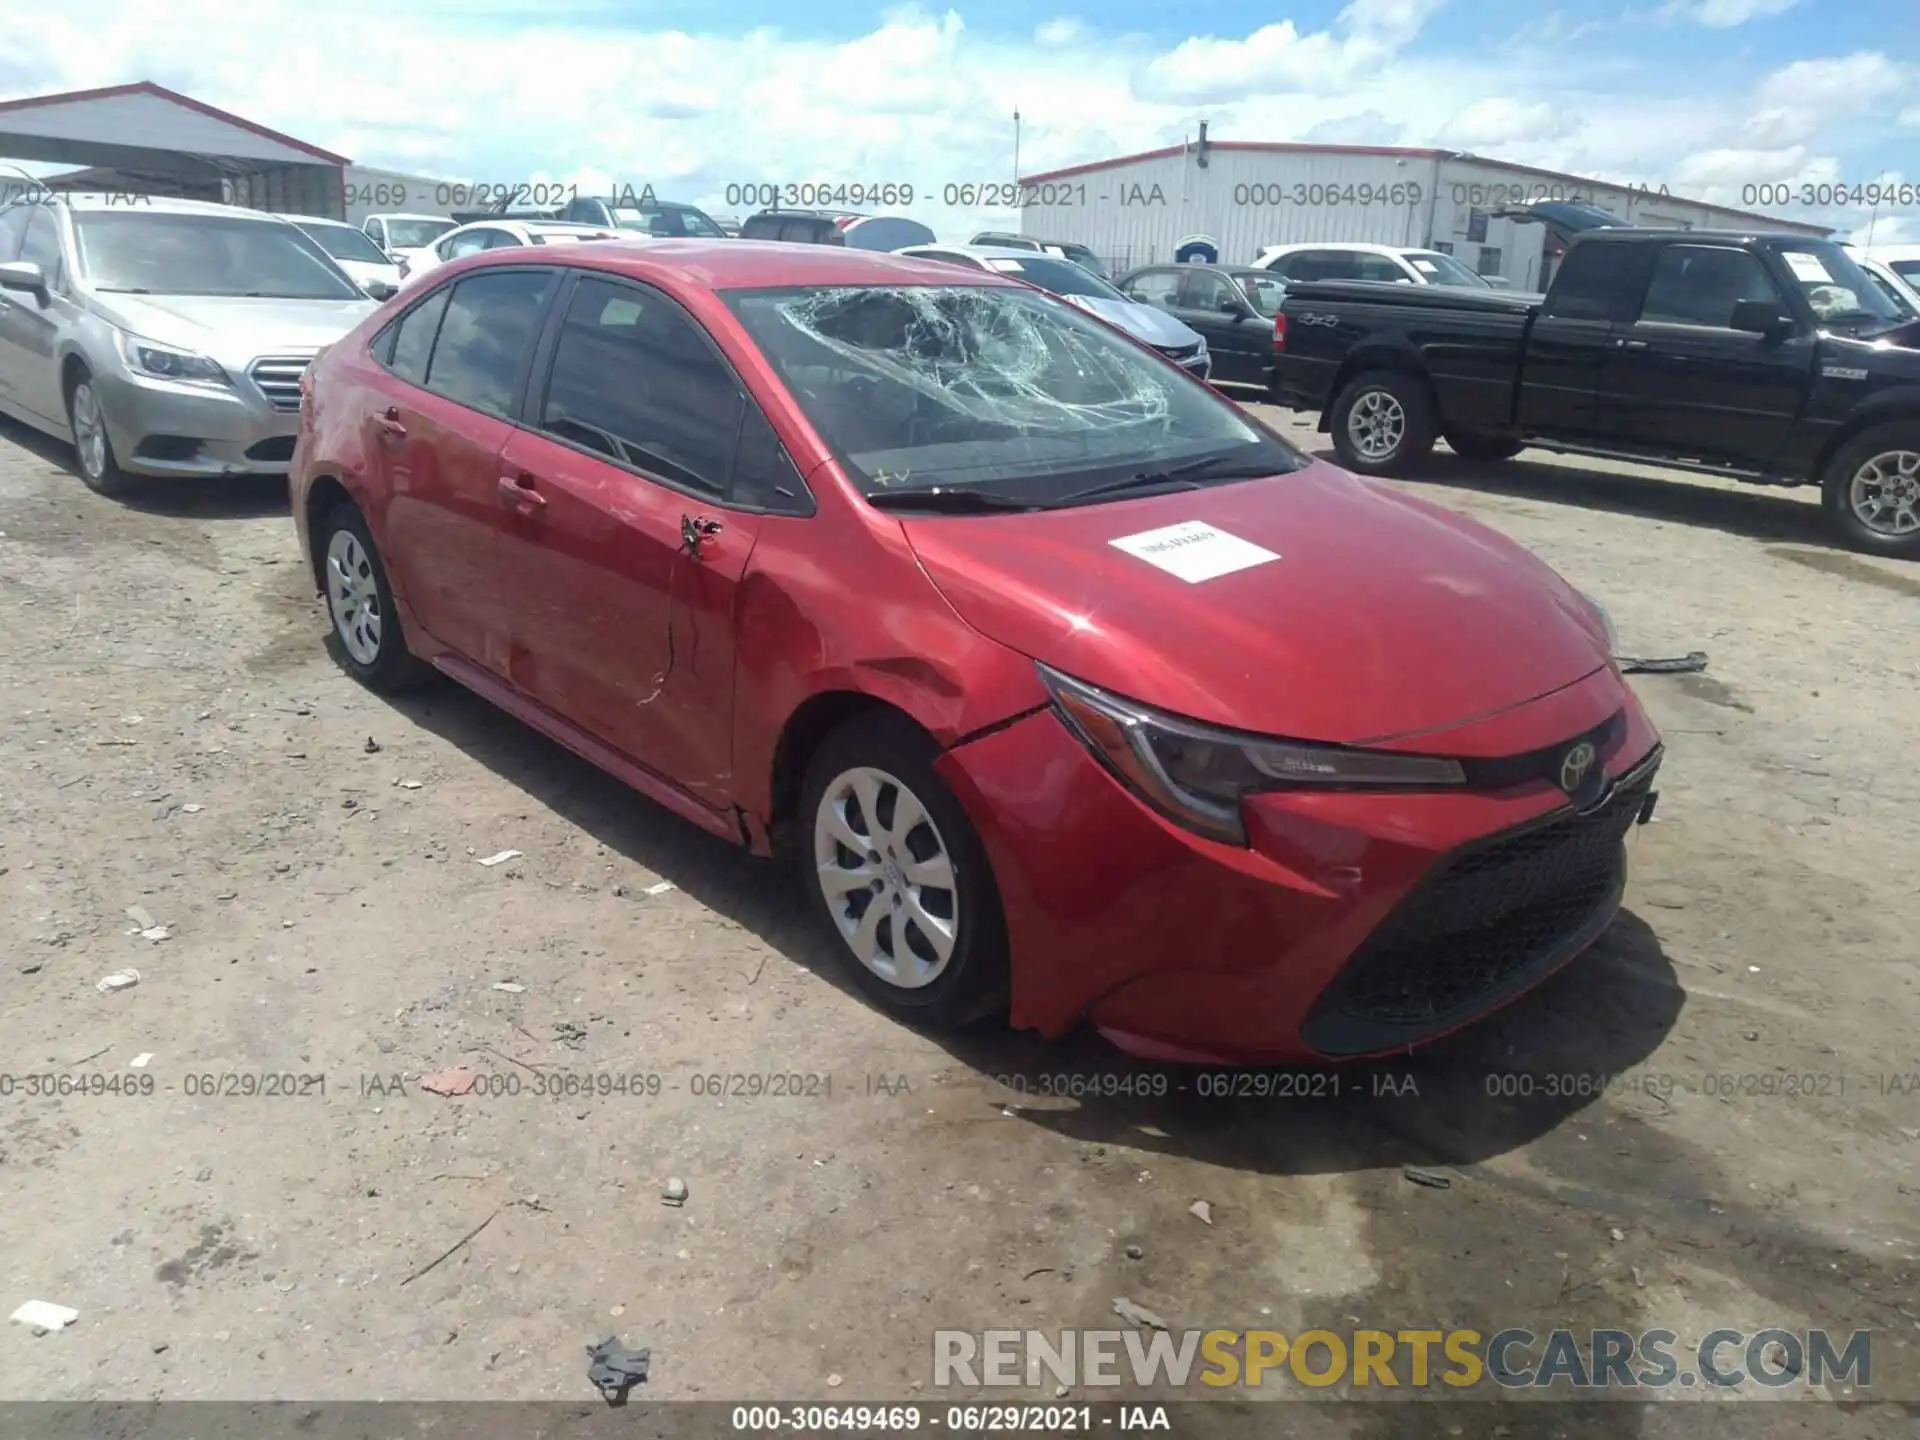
x=416 y=234
x=956 y=386
x=343 y=242
x=162 y=253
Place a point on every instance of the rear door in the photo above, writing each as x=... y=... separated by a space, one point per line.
x=456 y=364
x=646 y=467
x=1573 y=339
x=1681 y=381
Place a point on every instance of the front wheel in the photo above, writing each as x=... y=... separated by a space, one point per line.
x=92 y=446
x=1383 y=423
x=1872 y=491
x=898 y=872
x=1470 y=445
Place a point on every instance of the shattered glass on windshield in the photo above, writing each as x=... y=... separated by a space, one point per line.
x=924 y=385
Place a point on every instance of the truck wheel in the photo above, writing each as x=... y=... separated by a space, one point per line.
x=1383 y=423
x=1872 y=490
x=1470 y=445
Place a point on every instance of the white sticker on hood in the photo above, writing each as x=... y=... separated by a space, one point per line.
x=1194 y=551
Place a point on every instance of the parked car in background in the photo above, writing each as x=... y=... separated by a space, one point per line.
x=1355 y=261
x=164 y=338
x=498 y=235
x=835 y=227
x=666 y=219
x=353 y=250
x=1066 y=250
x=1899 y=291
x=1073 y=283
x=1768 y=358
x=1043 y=668
x=1232 y=306
x=1903 y=260
x=404 y=236
x=730 y=224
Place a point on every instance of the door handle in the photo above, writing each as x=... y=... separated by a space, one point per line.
x=1631 y=344
x=387 y=422
x=518 y=489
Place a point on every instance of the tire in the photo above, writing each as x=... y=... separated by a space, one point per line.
x=1885 y=463
x=92 y=446
x=887 y=759
x=1471 y=445
x=366 y=638
x=1389 y=403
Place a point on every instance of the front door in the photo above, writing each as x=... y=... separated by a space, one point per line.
x=1240 y=342
x=620 y=556
x=457 y=363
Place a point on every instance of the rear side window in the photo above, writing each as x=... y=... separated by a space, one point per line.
x=485 y=337
x=1593 y=282
x=412 y=340
x=635 y=381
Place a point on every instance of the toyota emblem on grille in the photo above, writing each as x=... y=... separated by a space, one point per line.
x=1574 y=766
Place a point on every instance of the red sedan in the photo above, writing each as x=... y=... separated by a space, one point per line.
x=1072 y=689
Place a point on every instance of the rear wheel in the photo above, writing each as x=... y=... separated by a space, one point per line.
x=1872 y=491
x=898 y=872
x=1383 y=423
x=92 y=446
x=366 y=638
x=1471 y=445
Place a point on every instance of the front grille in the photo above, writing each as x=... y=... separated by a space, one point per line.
x=278 y=377
x=274 y=448
x=1181 y=352
x=1486 y=921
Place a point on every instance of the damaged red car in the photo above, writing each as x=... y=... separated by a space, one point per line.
x=1072 y=690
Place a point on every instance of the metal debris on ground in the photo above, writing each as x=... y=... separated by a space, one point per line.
x=156 y=934
x=43 y=1315
x=674 y=1192
x=509 y=987
x=614 y=1369
x=1690 y=663
x=1432 y=1179
x=661 y=888
x=1137 y=1314
x=119 y=980
x=408 y=784
x=456 y=1081
x=501 y=858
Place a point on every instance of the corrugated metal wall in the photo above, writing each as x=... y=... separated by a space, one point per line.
x=1137 y=213
x=290 y=190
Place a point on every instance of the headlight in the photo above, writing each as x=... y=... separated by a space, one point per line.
x=1606 y=621
x=164 y=362
x=1197 y=775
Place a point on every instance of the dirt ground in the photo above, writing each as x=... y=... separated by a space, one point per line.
x=174 y=739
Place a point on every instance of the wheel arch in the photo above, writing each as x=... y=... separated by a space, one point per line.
x=1401 y=359
x=811 y=722
x=1891 y=407
x=324 y=494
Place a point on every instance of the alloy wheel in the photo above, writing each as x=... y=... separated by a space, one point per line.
x=1885 y=493
x=89 y=431
x=888 y=877
x=1376 y=424
x=353 y=596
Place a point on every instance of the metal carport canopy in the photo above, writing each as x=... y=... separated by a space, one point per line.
x=147 y=130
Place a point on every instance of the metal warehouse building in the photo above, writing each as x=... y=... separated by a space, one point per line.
x=144 y=139
x=1240 y=196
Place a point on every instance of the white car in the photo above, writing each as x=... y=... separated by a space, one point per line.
x=366 y=264
x=403 y=236
x=1349 y=260
x=1903 y=260
x=500 y=235
x=1902 y=290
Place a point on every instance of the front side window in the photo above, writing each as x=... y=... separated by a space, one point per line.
x=1205 y=290
x=343 y=242
x=989 y=387
x=635 y=381
x=13 y=225
x=1700 y=285
x=149 y=252
x=41 y=245
x=491 y=322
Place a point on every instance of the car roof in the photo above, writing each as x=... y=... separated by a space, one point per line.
x=87 y=200
x=1364 y=247
x=757 y=264
x=407 y=215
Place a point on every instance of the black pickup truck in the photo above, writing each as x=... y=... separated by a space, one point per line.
x=1769 y=358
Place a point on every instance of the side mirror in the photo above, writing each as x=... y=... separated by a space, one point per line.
x=380 y=289
x=1760 y=317
x=25 y=276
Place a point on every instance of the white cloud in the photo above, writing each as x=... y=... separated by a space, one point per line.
x=1212 y=70
x=1724 y=14
x=1497 y=124
x=1062 y=31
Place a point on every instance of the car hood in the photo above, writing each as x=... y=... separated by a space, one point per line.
x=232 y=329
x=1143 y=322
x=1384 y=616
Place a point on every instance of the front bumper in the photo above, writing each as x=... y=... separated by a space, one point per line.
x=160 y=427
x=1352 y=924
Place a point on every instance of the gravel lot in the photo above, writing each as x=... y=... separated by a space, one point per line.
x=175 y=740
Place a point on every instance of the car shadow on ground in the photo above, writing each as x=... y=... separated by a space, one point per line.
x=217 y=497
x=1492 y=1088
x=1759 y=511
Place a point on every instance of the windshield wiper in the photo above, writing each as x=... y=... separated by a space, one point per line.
x=1172 y=479
x=957 y=501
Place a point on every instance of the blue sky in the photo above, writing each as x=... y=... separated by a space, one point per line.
x=1704 y=96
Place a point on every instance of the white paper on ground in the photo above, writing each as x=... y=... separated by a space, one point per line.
x=501 y=858
x=1194 y=551
x=45 y=1316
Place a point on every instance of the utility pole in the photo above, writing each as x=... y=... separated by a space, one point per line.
x=1016 y=148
